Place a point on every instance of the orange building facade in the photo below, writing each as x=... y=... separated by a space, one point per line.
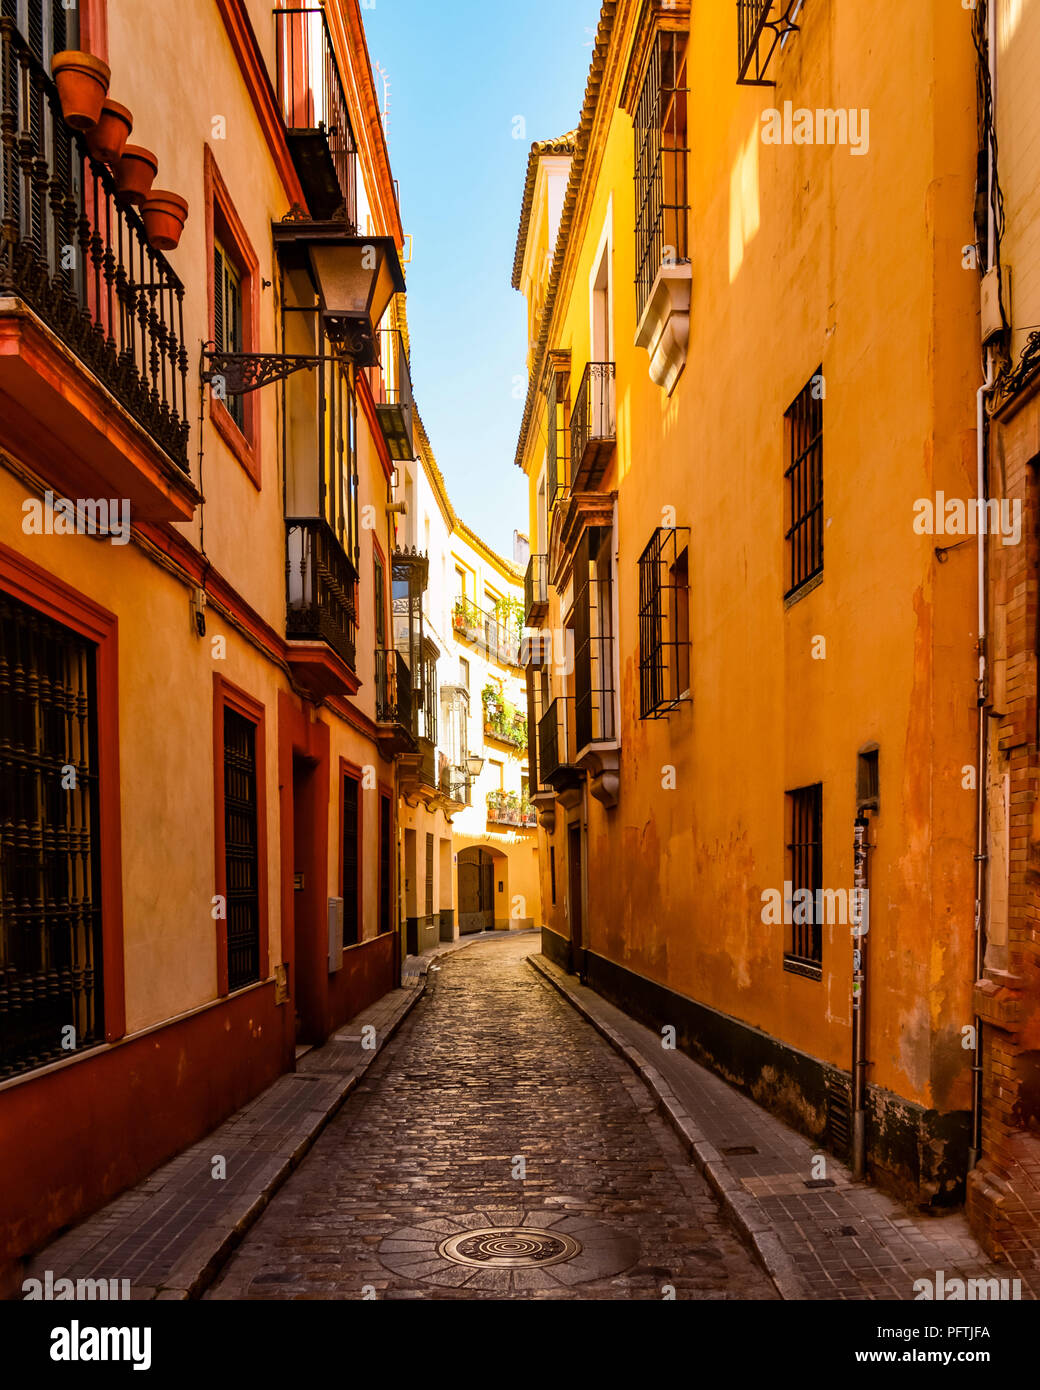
x=197 y=675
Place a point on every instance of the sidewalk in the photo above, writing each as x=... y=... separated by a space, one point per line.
x=170 y=1235
x=817 y=1240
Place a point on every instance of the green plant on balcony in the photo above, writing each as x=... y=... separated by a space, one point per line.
x=509 y=614
x=503 y=721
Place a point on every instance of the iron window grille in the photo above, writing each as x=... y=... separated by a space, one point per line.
x=661 y=149
x=227 y=319
x=552 y=874
x=761 y=26
x=558 y=436
x=803 y=479
x=429 y=875
x=385 y=876
x=664 y=622
x=805 y=872
x=50 y=911
x=47 y=25
x=241 y=855
x=593 y=638
x=351 y=859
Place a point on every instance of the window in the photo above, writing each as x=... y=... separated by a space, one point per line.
x=351 y=883
x=384 y=862
x=498 y=773
x=234 y=315
x=241 y=850
x=662 y=197
x=558 y=429
x=227 y=318
x=805 y=872
x=464 y=672
x=429 y=874
x=552 y=874
x=867 y=781
x=593 y=638
x=804 y=479
x=664 y=623
x=48 y=26
x=379 y=586
x=50 y=883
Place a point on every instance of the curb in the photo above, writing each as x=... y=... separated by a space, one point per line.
x=743 y=1210
x=199 y=1267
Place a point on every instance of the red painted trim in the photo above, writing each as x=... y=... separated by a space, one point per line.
x=261 y=92
x=368 y=406
x=356 y=774
x=223 y=222
x=386 y=794
x=93 y=28
x=357 y=718
x=40 y=590
x=228 y=696
x=378 y=558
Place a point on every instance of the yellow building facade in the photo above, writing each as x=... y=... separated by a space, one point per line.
x=753 y=360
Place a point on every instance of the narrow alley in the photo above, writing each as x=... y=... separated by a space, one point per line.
x=490 y=1068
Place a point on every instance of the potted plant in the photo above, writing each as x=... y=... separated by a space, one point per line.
x=165 y=214
x=135 y=170
x=107 y=140
x=82 y=82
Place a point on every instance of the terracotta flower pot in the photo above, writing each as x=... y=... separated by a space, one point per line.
x=107 y=140
x=82 y=86
x=134 y=172
x=164 y=214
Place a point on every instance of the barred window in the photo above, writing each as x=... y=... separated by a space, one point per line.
x=805 y=872
x=385 y=874
x=241 y=852
x=429 y=875
x=664 y=622
x=804 y=484
x=227 y=318
x=594 y=638
x=48 y=26
x=50 y=909
x=558 y=433
x=662 y=192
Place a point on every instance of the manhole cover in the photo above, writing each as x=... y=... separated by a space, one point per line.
x=507 y=1247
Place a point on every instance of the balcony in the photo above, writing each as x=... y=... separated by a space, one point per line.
x=511 y=808
x=393 y=704
x=93 y=363
x=593 y=427
x=536 y=589
x=321 y=613
x=499 y=640
x=556 y=751
x=314 y=109
x=393 y=394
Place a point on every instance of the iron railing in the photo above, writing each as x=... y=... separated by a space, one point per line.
x=593 y=639
x=510 y=808
x=661 y=157
x=755 y=47
x=557 y=448
x=556 y=747
x=593 y=418
x=314 y=104
x=496 y=639
x=536 y=592
x=429 y=770
x=50 y=867
x=321 y=587
x=393 y=689
x=81 y=260
x=392 y=389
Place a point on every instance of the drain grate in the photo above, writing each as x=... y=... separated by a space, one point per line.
x=818 y=1182
x=509 y=1247
x=738 y=1150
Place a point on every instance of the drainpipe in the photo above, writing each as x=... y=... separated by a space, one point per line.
x=975 y=1146
x=860 y=929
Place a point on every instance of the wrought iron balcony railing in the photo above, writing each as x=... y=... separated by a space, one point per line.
x=593 y=425
x=536 y=591
x=393 y=393
x=314 y=108
x=81 y=260
x=496 y=639
x=321 y=586
x=393 y=689
x=510 y=808
x=556 y=746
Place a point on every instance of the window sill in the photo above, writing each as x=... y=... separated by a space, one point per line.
x=794 y=966
x=664 y=329
x=806 y=587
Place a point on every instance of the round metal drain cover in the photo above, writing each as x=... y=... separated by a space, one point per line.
x=509 y=1247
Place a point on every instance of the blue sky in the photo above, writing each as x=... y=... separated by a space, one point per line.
x=460 y=71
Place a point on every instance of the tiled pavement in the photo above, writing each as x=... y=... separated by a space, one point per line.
x=171 y=1233
x=493 y=1067
x=837 y=1241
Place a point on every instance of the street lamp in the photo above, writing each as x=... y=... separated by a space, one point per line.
x=474 y=766
x=356 y=278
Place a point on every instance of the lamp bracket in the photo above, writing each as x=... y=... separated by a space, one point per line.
x=242 y=372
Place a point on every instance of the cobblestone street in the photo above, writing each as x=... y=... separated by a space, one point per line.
x=493 y=1067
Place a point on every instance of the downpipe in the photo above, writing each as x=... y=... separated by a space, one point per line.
x=860 y=930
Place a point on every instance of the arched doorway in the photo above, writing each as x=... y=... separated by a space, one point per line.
x=476 y=890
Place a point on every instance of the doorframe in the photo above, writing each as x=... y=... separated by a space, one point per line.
x=578 y=824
